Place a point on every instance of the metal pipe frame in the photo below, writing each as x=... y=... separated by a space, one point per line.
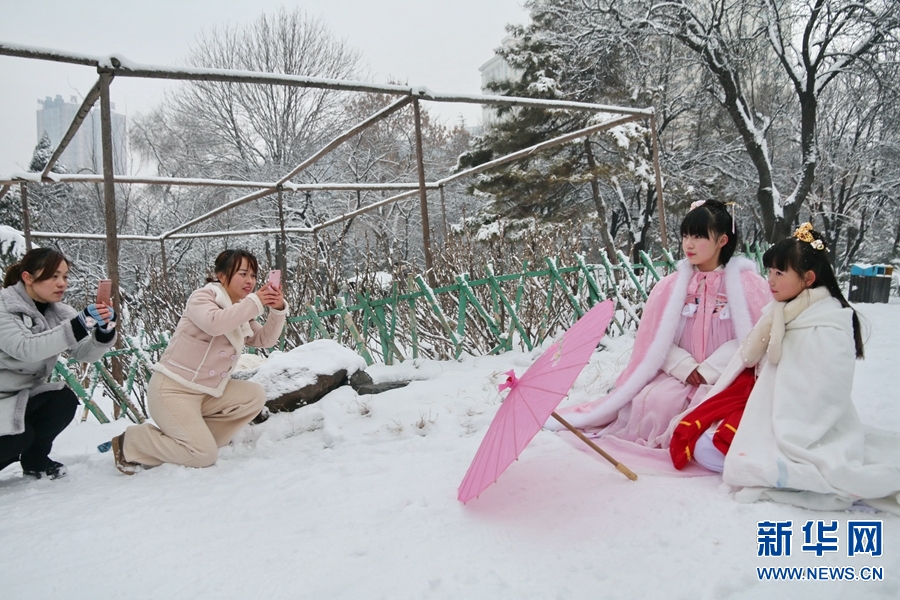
x=225 y=183
x=112 y=66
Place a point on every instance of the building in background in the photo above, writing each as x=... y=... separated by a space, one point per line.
x=496 y=69
x=85 y=152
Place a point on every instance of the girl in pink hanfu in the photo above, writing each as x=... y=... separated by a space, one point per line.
x=692 y=324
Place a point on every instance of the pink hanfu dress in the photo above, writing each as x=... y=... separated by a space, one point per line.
x=692 y=320
x=707 y=327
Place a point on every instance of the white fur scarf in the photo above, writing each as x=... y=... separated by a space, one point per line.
x=765 y=339
x=237 y=335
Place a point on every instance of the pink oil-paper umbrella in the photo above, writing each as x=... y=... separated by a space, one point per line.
x=533 y=398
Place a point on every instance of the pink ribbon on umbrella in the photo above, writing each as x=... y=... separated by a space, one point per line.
x=510 y=383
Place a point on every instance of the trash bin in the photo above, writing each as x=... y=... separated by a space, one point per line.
x=870 y=283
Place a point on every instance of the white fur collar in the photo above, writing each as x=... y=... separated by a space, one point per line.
x=237 y=335
x=665 y=335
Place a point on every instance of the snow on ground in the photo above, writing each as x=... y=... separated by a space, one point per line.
x=355 y=497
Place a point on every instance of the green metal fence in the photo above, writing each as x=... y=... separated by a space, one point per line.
x=488 y=314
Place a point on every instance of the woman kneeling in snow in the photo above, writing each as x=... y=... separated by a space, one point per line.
x=799 y=439
x=196 y=405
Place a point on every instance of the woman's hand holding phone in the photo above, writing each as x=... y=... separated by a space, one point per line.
x=271 y=297
x=274 y=279
x=100 y=313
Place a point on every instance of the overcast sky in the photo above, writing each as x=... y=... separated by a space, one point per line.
x=436 y=43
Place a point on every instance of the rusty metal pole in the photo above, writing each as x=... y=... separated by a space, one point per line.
x=444 y=213
x=281 y=256
x=659 y=195
x=109 y=201
x=423 y=198
x=165 y=263
x=26 y=217
x=109 y=188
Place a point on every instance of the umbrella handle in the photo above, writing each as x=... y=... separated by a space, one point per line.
x=619 y=466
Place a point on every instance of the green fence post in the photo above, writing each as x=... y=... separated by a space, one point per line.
x=369 y=316
x=119 y=395
x=551 y=264
x=545 y=320
x=594 y=292
x=436 y=308
x=520 y=292
x=461 y=315
x=354 y=332
x=376 y=315
x=669 y=259
x=495 y=285
x=648 y=263
x=73 y=383
x=466 y=291
x=395 y=308
x=413 y=321
x=316 y=324
x=625 y=264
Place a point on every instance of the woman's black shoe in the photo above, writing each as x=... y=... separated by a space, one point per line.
x=53 y=470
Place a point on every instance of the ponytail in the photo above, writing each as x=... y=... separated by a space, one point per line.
x=13 y=275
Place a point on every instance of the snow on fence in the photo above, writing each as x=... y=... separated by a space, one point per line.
x=488 y=314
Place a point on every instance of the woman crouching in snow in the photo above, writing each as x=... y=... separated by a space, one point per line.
x=691 y=326
x=191 y=397
x=798 y=439
x=35 y=327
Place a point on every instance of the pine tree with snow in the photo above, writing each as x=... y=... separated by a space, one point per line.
x=599 y=174
x=11 y=209
x=42 y=153
x=48 y=203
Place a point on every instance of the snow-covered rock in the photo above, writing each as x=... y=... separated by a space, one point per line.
x=305 y=374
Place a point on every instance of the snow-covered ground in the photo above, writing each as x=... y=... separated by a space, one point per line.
x=355 y=497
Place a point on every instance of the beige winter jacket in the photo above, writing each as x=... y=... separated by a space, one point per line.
x=211 y=335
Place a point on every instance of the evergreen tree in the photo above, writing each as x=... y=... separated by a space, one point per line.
x=605 y=174
x=48 y=203
x=11 y=209
x=42 y=153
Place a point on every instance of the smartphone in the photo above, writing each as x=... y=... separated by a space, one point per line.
x=104 y=291
x=275 y=279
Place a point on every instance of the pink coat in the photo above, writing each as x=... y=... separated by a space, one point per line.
x=663 y=326
x=211 y=335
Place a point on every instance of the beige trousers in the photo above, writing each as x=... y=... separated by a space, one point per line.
x=190 y=426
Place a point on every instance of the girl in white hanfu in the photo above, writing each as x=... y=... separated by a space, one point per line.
x=799 y=439
x=691 y=326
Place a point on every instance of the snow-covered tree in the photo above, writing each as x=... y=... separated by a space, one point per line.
x=605 y=176
x=751 y=50
x=42 y=153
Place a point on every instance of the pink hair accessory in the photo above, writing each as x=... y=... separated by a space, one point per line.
x=697 y=204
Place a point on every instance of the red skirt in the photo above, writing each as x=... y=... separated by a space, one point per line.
x=726 y=406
